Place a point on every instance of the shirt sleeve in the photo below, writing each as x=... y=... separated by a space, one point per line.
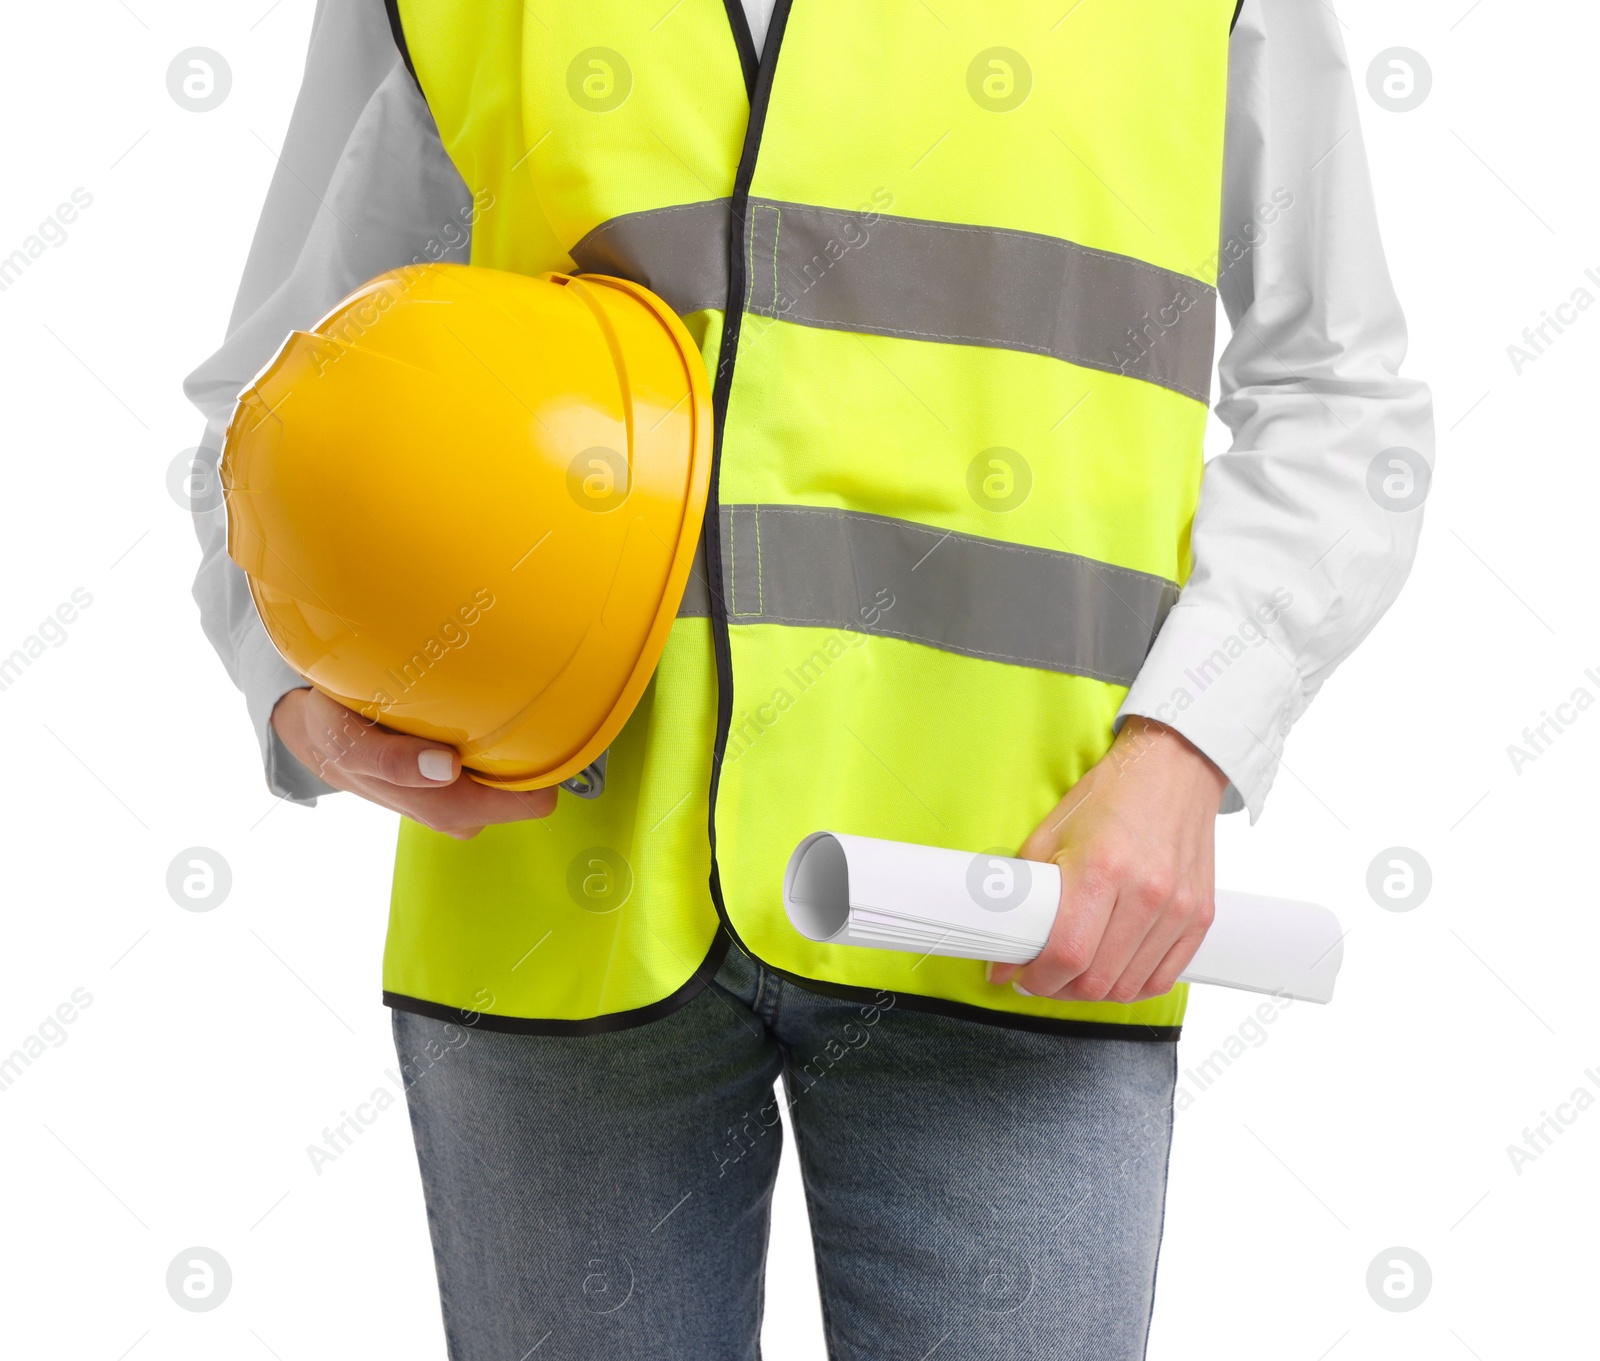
x=1307 y=525
x=363 y=185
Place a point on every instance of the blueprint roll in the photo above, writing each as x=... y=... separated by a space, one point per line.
x=891 y=895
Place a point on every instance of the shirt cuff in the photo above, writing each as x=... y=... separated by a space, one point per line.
x=1224 y=685
x=266 y=679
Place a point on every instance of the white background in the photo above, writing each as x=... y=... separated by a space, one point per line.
x=218 y=1045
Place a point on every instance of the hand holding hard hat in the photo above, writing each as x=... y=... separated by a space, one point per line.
x=412 y=776
x=467 y=504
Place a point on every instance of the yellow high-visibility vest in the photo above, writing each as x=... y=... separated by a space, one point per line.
x=952 y=270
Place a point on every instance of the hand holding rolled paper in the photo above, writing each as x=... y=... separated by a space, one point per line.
x=891 y=895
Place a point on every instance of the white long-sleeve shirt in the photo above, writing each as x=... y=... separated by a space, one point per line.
x=1295 y=558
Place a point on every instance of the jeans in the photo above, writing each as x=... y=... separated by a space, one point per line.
x=974 y=1192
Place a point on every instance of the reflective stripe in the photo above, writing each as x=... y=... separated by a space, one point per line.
x=821 y=568
x=696 y=603
x=865 y=272
x=679 y=253
x=965 y=285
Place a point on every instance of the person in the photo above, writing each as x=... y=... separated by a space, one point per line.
x=967 y=580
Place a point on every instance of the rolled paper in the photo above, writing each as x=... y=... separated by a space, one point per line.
x=928 y=900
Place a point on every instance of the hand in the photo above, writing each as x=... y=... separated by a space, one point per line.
x=409 y=775
x=1134 y=840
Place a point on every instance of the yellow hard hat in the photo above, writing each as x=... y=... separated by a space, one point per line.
x=467 y=503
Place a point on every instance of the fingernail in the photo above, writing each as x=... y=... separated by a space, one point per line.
x=988 y=972
x=435 y=765
x=1020 y=990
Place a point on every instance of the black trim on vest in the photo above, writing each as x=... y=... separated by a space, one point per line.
x=749 y=62
x=655 y=1011
x=1235 y=20
x=595 y=1025
x=392 y=7
x=727 y=357
x=727 y=354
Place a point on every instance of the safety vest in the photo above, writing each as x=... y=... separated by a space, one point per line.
x=952 y=270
